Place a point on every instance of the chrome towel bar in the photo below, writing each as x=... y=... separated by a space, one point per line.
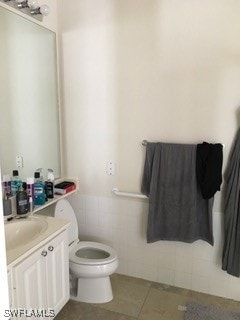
x=116 y=192
x=145 y=142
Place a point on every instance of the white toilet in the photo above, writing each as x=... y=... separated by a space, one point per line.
x=90 y=262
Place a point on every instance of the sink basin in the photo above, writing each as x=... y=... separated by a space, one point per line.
x=19 y=232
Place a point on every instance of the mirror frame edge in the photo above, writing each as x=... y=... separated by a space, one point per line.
x=59 y=105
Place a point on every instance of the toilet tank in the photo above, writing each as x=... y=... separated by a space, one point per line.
x=64 y=210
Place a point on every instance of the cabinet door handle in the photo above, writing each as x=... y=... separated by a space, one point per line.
x=44 y=253
x=50 y=248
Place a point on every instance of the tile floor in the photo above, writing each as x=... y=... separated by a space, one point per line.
x=136 y=298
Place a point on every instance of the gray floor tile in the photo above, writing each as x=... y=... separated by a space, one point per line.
x=232 y=305
x=84 y=311
x=166 y=287
x=161 y=304
x=141 y=299
x=73 y=310
x=128 y=279
x=128 y=297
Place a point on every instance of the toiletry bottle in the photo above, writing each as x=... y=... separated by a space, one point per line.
x=30 y=193
x=40 y=170
x=15 y=183
x=39 y=190
x=6 y=184
x=30 y=204
x=7 y=208
x=30 y=187
x=22 y=201
x=49 y=184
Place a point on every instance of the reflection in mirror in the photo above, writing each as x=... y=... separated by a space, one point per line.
x=29 y=121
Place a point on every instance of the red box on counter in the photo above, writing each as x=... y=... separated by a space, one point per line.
x=64 y=187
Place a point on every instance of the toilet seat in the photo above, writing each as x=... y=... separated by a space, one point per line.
x=109 y=253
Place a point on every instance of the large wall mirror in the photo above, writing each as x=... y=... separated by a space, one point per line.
x=29 y=119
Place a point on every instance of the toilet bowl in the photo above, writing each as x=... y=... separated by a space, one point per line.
x=91 y=263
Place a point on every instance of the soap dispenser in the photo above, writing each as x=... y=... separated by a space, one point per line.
x=49 y=184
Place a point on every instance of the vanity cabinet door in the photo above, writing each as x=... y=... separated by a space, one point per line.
x=42 y=279
x=58 y=272
x=31 y=281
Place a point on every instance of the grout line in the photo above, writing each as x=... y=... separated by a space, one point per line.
x=150 y=287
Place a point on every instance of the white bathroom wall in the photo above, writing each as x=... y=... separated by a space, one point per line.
x=122 y=223
x=156 y=70
x=161 y=70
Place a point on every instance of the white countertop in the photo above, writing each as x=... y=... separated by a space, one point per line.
x=55 y=226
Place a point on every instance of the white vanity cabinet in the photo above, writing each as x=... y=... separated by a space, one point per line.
x=41 y=280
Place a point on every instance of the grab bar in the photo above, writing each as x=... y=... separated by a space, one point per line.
x=116 y=192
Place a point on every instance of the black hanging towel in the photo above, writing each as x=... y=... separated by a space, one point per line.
x=209 y=168
x=231 y=248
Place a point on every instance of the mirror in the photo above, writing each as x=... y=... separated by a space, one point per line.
x=29 y=119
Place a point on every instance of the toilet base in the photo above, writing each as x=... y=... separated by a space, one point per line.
x=94 y=290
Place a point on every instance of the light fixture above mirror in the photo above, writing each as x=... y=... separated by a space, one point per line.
x=30 y=7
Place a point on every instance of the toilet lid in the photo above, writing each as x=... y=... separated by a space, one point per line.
x=64 y=210
x=92 y=253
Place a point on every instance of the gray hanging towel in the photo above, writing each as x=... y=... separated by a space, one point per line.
x=177 y=210
x=231 y=248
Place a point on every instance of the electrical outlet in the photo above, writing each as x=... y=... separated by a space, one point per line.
x=110 y=168
x=19 y=161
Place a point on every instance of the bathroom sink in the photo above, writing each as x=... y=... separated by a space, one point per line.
x=19 y=232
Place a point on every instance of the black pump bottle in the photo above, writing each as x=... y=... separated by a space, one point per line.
x=22 y=201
